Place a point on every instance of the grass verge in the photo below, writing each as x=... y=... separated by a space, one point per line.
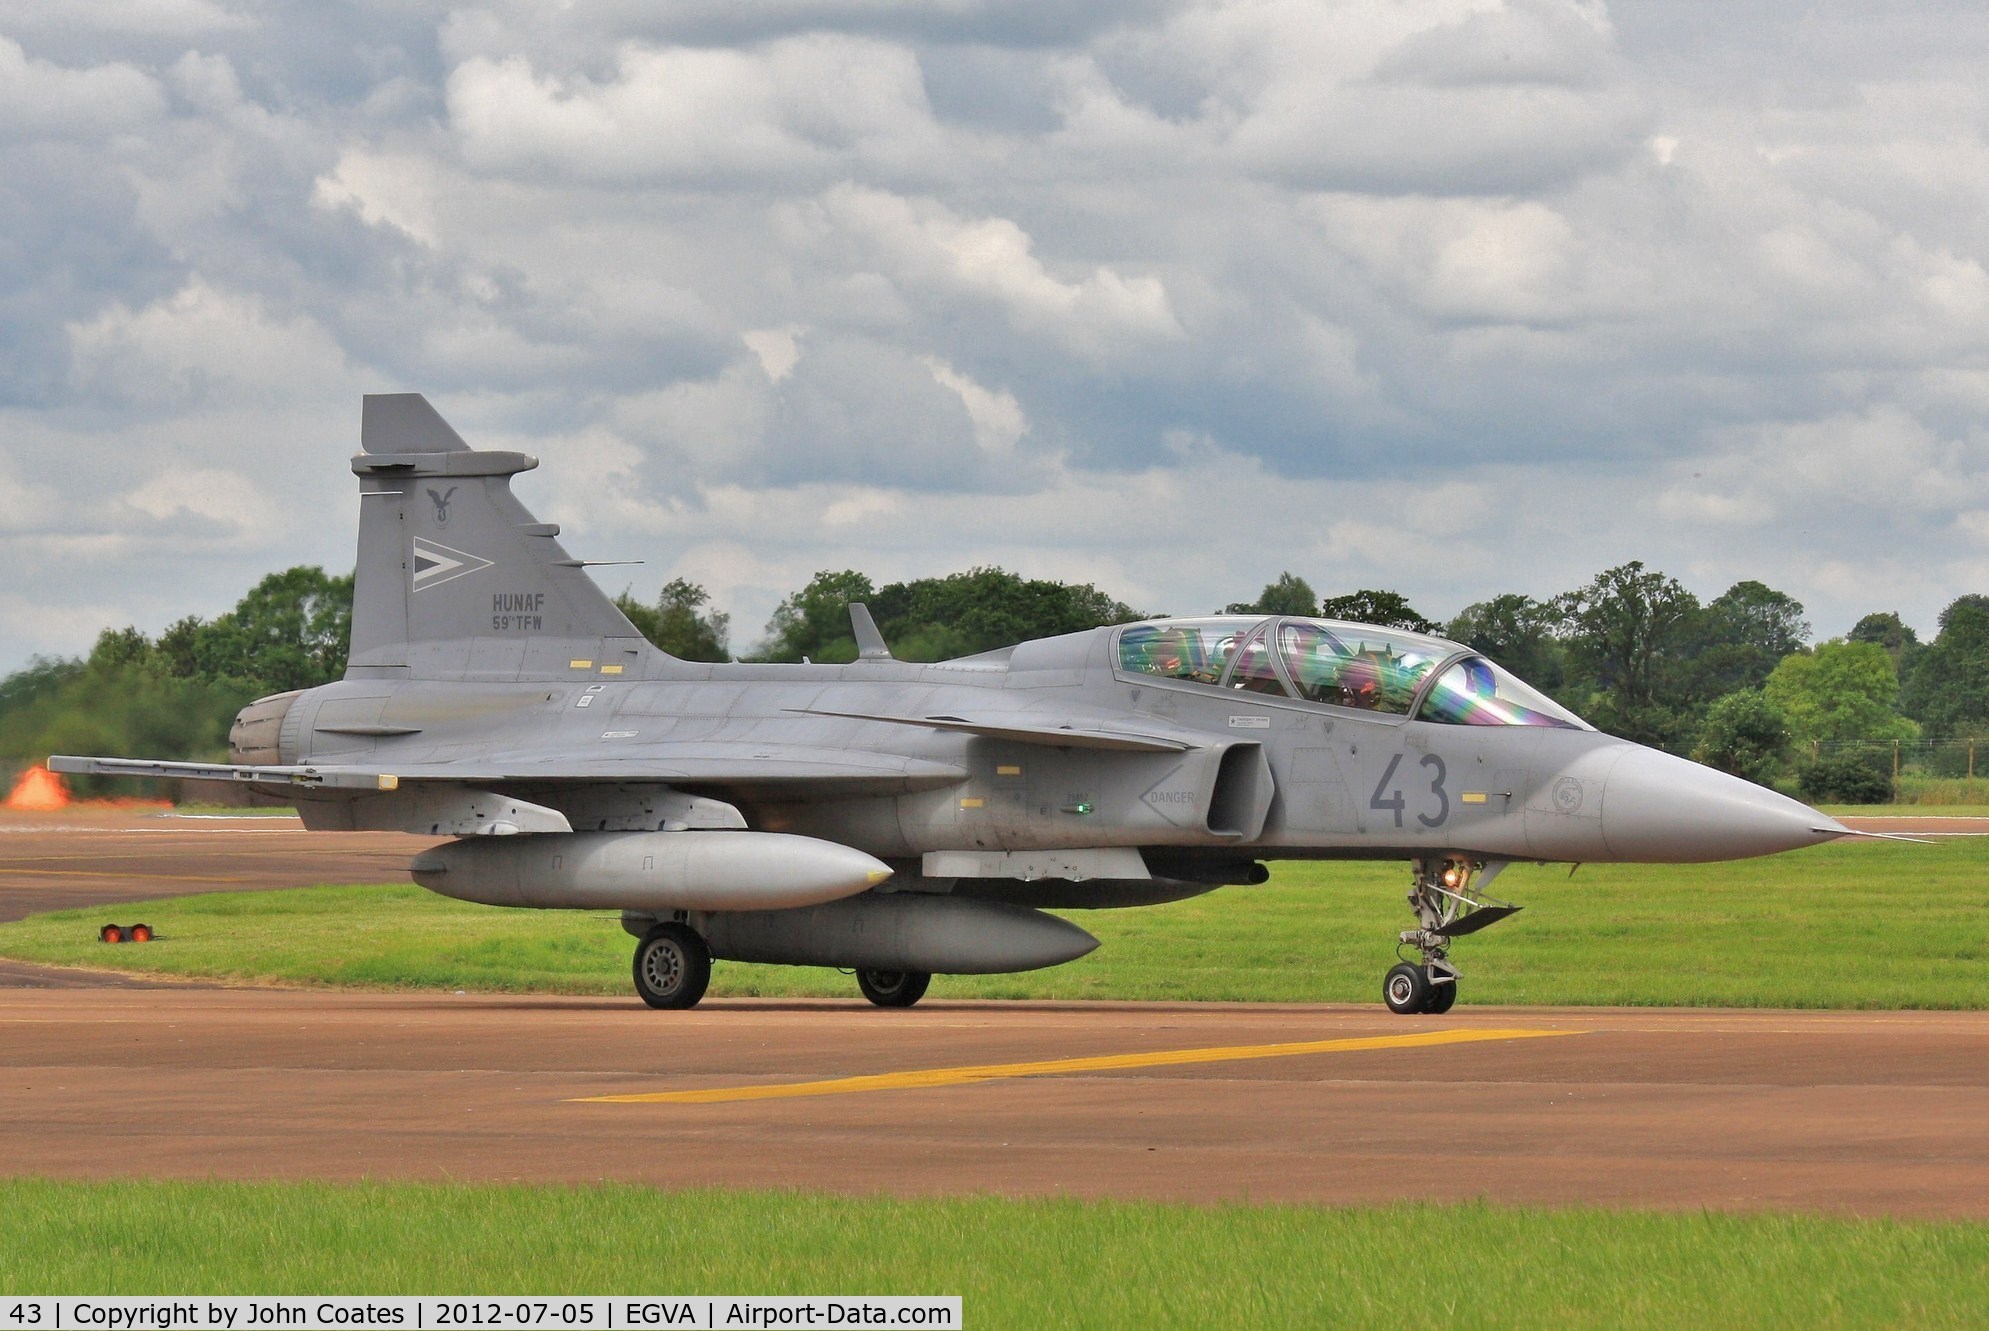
x=1960 y=810
x=236 y=810
x=1014 y=1262
x=1852 y=925
x=1918 y=789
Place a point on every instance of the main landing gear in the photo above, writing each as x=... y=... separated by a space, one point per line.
x=1448 y=904
x=893 y=988
x=672 y=966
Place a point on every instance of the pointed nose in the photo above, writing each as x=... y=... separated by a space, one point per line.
x=1661 y=809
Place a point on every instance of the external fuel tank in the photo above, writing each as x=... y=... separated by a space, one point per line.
x=649 y=871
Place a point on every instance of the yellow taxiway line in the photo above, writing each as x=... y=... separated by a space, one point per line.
x=922 y=1079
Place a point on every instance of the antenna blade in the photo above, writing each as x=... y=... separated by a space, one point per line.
x=869 y=642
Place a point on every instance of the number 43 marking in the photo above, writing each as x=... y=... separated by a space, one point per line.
x=1396 y=803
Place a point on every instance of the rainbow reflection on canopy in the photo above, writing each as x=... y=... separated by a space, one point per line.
x=1357 y=666
x=1474 y=692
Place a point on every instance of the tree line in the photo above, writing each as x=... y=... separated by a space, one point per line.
x=175 y=695
x=1732 y=681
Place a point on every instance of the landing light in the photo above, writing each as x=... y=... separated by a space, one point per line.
x=1453 y=876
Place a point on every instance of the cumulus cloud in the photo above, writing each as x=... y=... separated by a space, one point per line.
x=166 y=18
x=798 y=105
x=199 y=345
x=208 y=82
x=39 y=99
x=204 y=504
x=1455 y=296
x=999 y=421
x=1501 y=261
x=1882 y=461
x=59 y=629
x=382 y=189
x=922 y=242
x=24 y=505
x=1430 y=96
x=777 y=349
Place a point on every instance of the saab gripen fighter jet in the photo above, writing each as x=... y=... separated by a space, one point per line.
x=900 y=819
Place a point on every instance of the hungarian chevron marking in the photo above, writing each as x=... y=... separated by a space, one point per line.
x=433 y=563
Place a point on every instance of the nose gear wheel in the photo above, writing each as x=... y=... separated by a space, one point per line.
x=1449 y=900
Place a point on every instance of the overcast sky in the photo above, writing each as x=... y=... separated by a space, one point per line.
x=1454 y=297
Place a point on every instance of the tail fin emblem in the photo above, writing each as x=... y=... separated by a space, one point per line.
x=434 y=563
x=441 y=502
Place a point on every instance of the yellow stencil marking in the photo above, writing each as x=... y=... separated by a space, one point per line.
x=930 y=1077
x=579 y=665
x=1473 y=797
x=611 y=670
x=1008 y=771
x=970 y=804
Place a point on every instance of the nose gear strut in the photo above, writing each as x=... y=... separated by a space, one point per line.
x=1450 y=901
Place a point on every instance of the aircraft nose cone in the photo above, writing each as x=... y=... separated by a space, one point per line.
x=1660 y=809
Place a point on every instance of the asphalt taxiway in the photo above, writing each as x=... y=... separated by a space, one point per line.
x=1851 y=1112
x=1865 y=1113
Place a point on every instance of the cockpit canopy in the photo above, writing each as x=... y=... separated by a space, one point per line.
x=1341 y=665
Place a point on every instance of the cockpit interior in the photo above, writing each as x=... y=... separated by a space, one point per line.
x=1356 y=666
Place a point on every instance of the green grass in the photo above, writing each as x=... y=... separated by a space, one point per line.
x=1015 y=1263
x=1918 y=793
x=238 y=810
x=1905 y=810
x=1851 y=925
x=1920 y=790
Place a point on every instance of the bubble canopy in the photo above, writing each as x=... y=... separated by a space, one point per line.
x=1356 y=666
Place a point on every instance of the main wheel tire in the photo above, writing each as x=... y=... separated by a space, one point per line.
x=893 y=988
x=672 y=966
x=1406 y=989
x=1442 y=998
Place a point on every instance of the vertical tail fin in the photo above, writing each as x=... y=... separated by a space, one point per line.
x=455 y=577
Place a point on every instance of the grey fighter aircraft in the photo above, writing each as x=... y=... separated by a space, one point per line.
x=902 y=819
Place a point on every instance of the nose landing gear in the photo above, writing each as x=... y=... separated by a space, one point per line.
x=1448 y=904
